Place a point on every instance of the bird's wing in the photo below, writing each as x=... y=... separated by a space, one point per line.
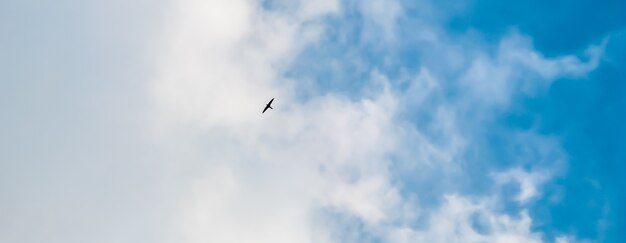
x=267 y=106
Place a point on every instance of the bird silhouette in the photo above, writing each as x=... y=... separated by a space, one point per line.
x=268 y=106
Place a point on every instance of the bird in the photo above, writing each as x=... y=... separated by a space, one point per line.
x=268 y=106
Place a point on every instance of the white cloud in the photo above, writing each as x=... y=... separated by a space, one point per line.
x=276 y=170
x=517 y=67
x=528 y=182
x=221 y=54
x=463 y=220
x=328 y=153
x=519 y=50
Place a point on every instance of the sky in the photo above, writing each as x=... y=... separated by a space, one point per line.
x=394 y=121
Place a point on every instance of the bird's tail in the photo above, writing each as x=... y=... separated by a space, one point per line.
x=271 y=108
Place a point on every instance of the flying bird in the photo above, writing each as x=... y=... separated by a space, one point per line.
x=268 y=106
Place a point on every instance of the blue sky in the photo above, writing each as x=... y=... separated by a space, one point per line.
x=593 y=136
x=394 y=121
